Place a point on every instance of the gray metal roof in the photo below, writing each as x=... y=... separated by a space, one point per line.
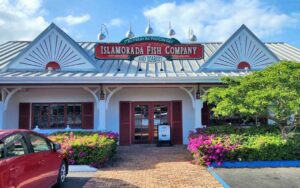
x=129 y=70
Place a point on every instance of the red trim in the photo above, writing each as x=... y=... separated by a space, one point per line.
x=53 y=65
x=177 y=131
x=24 y=115
x=87 y=115
x=243 y=65
x=205 y=114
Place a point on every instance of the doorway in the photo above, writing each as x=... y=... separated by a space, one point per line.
x=146 y=116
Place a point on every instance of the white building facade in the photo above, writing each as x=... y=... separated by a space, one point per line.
x=55 y=83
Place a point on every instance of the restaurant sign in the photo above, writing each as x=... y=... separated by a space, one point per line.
x=149 y=49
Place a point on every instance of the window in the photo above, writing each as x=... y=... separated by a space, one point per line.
x=38 y=143
x=208 y=118
x=57 y=116
x=1 y=150
x=15 y=146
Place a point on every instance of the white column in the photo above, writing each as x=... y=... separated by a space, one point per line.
x=1 y=115
x=198 y=104
x=102 y=115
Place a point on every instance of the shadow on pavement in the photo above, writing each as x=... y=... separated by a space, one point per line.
x=93 y=182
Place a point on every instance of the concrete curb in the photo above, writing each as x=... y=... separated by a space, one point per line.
x=257 y=164
x=217 y=177
x=82 y=168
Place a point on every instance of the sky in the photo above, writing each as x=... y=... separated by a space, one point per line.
x=210 y=20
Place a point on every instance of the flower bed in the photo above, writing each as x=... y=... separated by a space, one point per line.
x=228 y=143
x=88 y=148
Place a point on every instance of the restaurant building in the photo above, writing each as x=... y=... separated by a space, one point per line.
x=54 y=83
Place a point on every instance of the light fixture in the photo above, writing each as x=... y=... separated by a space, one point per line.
x=129 y=33
x=192 y=37
x=171 y=31
x=101 y=35
x=149 y=29
x=102 y=94
x=198 y=94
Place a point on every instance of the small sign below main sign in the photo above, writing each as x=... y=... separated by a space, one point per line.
x=150 y=59
x=149 y=50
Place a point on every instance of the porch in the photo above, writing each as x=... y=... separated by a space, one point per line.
x=56 y=107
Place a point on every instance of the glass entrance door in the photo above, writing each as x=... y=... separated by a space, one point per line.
x=146 y=118
x=141 y=123
x=160 y=117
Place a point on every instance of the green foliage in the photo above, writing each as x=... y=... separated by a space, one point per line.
x=274 y=90
x=257 y=143
x=91 y=148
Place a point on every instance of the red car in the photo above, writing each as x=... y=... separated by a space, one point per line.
x=30 y=160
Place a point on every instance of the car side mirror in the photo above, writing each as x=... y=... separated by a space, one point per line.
x=56 y=147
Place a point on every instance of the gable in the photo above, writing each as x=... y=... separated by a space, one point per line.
x=53 y=48
x=242 y=50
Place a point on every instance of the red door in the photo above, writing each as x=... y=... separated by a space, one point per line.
x=146 y=116
x=139 y=121
x=43 y=153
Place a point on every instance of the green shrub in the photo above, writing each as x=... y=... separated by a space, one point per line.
x=90 y=148
x=255 y=143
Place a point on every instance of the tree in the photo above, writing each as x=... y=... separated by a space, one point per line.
x=272 y=92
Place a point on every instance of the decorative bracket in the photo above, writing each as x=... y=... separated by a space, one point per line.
x=95 y=94
x=190 y=92
x=6 y=95
x=110 y=91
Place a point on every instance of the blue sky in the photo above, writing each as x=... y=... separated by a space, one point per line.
x=211 y=20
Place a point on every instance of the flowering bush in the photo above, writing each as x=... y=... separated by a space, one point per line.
x=91 y=148
x=208 y=148
x=229 y=143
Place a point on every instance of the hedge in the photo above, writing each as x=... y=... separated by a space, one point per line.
x=87 y=148
x=229 y=143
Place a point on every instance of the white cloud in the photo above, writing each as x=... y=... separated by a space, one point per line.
x=216 y=20
x=74 y=20
x=28 y=6
x=115 y=22
x=19 y=20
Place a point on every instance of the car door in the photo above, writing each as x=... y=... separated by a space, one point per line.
x=4 y=173
x=20 y=163
x=49 y=159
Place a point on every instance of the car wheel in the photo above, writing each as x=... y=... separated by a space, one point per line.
x=62 y=174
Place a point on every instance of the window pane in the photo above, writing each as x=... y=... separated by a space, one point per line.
x=38 y=143
x=36 y=114
x=77 y=116
x=44 y=116
x=15 y=146
x=70 y=112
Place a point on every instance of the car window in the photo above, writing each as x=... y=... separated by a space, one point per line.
x=15 y=146
x=38 y=143
x=1 y=150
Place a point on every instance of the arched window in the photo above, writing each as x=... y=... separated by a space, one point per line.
x=52 y=65
x=243 y=65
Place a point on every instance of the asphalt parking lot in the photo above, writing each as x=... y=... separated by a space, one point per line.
x=260 y=177
x=78 y=179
